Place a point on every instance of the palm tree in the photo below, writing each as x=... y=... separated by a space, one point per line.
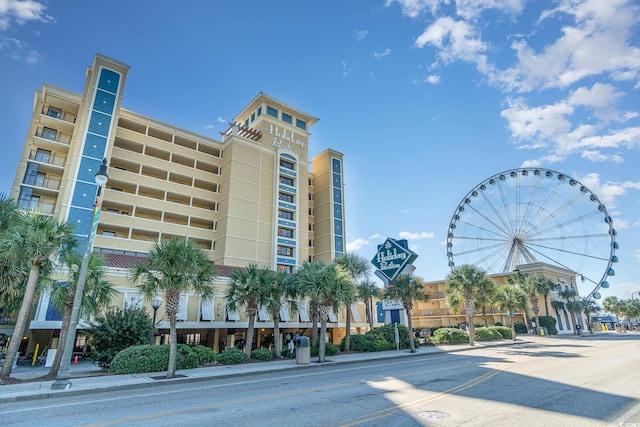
x=34 y=238
x=407 y=288
x=485 y=297
x=590 y=307
x=283 y=292
x=173 y=267
x=249 y=288
x=367 y=291
x=545 y=286
x=97 y=295
x=13 y=270
x=530 y=287
x=358 y=267
x=612 y=305
x=330 y=287
x=511 y=298
x=571 y=305
x=466 y=281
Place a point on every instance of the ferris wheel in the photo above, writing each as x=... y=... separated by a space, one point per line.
x=531 y=215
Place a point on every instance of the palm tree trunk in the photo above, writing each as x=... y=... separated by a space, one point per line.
x=370 y=306
x=64 y=329
x=21 y=323
x=250 y=329
x=276 y=334
x=513 y=324
x=321 y=343
x=546 y=305
x=484 y=316
x=347 y=337
x=412 y=343
x=314 y=327
x=472 y=327
x=173 y=347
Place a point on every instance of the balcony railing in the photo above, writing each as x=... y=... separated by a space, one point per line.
x=60 y=114
x=38 y=181
x=53 y=136
x=52 y=159
x=45 y=208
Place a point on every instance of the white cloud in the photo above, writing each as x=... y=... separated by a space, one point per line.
x=433 y=79
x=380 y=55
x=416 y=236
x=21 y=12
x=361 y=34
x=221 y=120
x=357 y=244
x=608 y=192
x=636 y=254
x=597 y=43
x=375 y=236
x=414 y=8
x=597 y=156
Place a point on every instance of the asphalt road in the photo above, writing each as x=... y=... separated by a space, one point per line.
x=592 y=381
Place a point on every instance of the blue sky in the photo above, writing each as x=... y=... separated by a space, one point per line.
x=425 y=98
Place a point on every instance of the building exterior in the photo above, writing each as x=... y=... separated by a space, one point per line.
x=437 y=313
x=253 y=196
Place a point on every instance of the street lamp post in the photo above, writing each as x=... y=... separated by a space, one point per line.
x=156 y=302
x=63 y=380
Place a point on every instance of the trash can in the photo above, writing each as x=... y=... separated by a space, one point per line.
x=303 y=351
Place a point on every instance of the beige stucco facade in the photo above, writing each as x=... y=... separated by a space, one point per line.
x=251 y=196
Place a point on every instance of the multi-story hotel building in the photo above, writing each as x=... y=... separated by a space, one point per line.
x=253 y=196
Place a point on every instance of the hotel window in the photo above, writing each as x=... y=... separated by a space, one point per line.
x=285 y=197
x=285 y=214
x=253 y=116
x=272 y=112
x=301 y=124
x=286 y=164
x=286 y=181
x=287 y=118
x=285 y=232
x=259 y=111
x=285 y=268
x=54 y=112
x=246 y=123
x=48 y=133
x=42 y=155
x=285 y=250
x=109 y=233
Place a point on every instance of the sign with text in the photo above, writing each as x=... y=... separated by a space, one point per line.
x=392 y=257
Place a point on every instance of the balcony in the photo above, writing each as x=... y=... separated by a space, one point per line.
x=42 y=207
x=42 y=181
x=51 y=138
x=58 y=117
x=48 y=161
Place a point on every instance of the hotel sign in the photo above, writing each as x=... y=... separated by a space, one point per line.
x=392 y=257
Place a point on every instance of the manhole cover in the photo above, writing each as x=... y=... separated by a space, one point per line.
x=433 y=415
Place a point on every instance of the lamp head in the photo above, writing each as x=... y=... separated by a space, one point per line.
x=156 y=302
x=101 y=176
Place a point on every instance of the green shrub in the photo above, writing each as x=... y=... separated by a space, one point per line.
x=329 y=349
x=232 y=356
x=383 y=345
x=205 y=355
x=521 y=328
x=360 y=342
x=117 y=330
x=387 y=333
x=503 y=330
x=487 y=334
x=152 y=358
x=548 y=322
x=450 y=336
x=261 y=354
x=287 y=353
x=186 y=358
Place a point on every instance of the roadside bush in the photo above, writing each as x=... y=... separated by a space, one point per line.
x=117 y=330
x=504 y=331
x=261 y=354
x=449 y=336
x=549 y=323
x=387 y=333
x=232 y=356
x=205 y=355
x=487 y=334
x=151 y=358
x=329 y=350
x=521 y=328
x=360 y=342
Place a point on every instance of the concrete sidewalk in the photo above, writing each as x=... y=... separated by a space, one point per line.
x=87 y=377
